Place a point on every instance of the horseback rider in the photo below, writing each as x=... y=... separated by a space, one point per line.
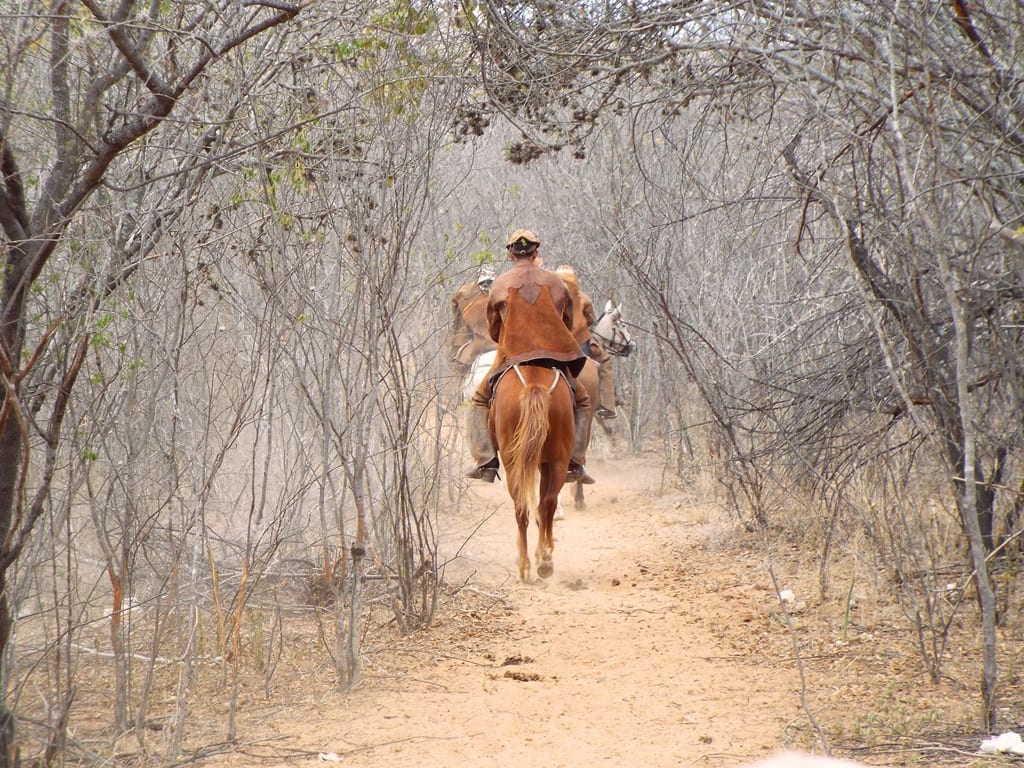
x=467 y=336
x=583 y=318
x=529 y=315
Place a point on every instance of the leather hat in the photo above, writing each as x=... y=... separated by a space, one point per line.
x=522 y=238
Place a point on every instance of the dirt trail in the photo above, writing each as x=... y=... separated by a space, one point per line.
x=648 y=647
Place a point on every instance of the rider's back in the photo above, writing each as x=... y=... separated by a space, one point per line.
x=530 y=315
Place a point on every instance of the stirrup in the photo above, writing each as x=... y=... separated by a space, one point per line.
x=605 y=413
x=577 y=473
x=486 y=472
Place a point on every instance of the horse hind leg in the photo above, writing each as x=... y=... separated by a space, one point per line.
x=545 y=549
x=545 y=528
x=523 y=522
x=578 y=497
x=559 y=510
x=545 y=566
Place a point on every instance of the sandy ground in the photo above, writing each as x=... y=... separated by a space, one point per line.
x=647 y=647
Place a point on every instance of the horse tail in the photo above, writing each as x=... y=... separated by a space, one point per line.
x=525 y=450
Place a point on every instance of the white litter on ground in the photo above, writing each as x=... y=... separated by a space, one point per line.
x=1008 y=743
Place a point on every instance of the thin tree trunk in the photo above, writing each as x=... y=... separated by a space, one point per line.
x=969 y=503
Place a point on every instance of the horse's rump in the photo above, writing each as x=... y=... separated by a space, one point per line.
x=526 y=400
x=523 y=453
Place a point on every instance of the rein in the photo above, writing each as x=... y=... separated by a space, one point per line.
x=620 y=348
x=609 y=322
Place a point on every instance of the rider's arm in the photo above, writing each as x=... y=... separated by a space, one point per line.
x=588 y=309
x=495 y=307
x=567 y=313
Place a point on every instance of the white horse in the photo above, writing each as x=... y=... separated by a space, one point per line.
x=612 y=333
x=477 y=371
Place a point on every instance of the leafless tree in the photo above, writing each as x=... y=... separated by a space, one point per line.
x=873 y=150
x=83 y=86
x=244 y=299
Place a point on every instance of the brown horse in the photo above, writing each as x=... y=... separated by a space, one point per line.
x=588 y=378
x=469 y=336
x=532 y=425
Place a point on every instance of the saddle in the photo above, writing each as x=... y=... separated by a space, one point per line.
x=558 y=366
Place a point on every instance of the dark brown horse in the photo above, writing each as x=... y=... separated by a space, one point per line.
x=532 y=425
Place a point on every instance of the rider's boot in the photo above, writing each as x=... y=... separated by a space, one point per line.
x=481 y=447
x=577 y=472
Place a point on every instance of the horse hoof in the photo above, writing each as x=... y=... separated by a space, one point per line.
x=544 y=570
